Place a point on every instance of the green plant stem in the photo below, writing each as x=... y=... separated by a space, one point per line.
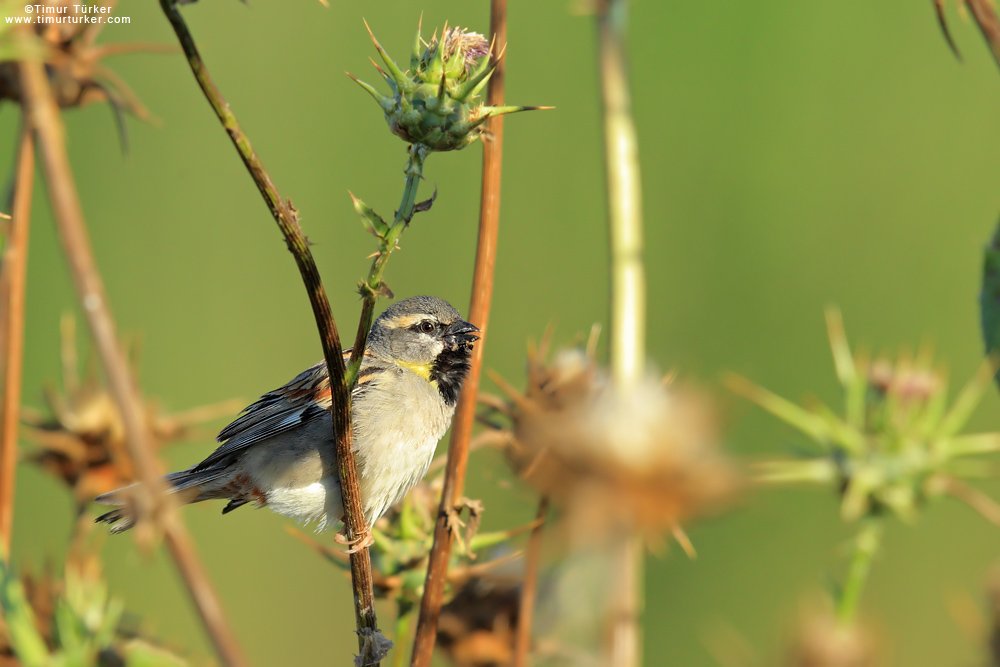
x=373 y=284
x=479 y=314
x=628 y=296
x=866 y=545
x=628 y=280
x=287 y=219
x=15 y=264
x=402 y=633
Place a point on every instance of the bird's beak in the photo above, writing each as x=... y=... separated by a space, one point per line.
x=461 y=334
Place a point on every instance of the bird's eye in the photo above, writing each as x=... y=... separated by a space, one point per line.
x=426 y=326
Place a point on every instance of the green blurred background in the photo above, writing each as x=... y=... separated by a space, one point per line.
x=794 y=155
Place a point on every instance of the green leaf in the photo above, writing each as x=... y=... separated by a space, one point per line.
x=28 y=645
x=989 y=298
x=371 y=220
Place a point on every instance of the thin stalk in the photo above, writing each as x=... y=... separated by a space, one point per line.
x=373 y=283
x=628 y=293
x=479 y=314
x=621 y=152
x=15 y=266
x=866 y=545
x=150 y=499
x=287 y=219
x=526 y=612
x=402 y=634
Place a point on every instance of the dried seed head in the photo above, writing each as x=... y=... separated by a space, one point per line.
x=74 y=64
x=643 y=459
x=82 y=440
x=477 y=626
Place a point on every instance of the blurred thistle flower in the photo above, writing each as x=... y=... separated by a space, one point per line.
x=82 y=441
x=898 y=443
x=72 y=620
x=435 y=102
x=74 y=64
x=643 y=459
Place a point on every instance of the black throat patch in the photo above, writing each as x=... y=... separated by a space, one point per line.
x=449 y=371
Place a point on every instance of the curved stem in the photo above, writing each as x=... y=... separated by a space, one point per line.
x=866 y=545
x=287 y=219
x=15 y=265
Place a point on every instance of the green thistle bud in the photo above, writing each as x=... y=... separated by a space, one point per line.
x=435 y=102
x=898 y=443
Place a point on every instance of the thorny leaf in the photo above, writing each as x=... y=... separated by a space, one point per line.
x=989 y=297
x=371 y=220
x=422 y=206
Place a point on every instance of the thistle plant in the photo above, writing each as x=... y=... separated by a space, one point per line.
x=435 y=103
x=897 y=446
x=435 y=107
x=402 y=543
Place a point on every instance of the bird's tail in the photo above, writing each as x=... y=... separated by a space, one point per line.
x=122 y=518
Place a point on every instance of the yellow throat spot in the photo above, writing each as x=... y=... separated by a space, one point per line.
x=423 y=370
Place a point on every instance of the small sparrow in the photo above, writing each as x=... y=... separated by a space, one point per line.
x=280 y=452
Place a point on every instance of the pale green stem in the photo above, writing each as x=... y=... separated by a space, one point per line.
x=414 y=173
x=628 y=297
x=866 y=545
x=401 y=638
x=628 y=278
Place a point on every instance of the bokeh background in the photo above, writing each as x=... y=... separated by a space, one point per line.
x=794 y=155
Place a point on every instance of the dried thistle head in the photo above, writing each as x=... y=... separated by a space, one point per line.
x=477 y=626
x=897 y=443
x=82 y=439
x=74 y=63
x=646 y=458
x=435 y=102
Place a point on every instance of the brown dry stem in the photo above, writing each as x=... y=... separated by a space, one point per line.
x=43 y=115
x=479 y=312
x=15 y=265
x=522 y=640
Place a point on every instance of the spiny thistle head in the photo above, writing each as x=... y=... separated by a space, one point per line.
x=897 y=444
x=436 y=101
x=82 y=439
x=615 y=460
